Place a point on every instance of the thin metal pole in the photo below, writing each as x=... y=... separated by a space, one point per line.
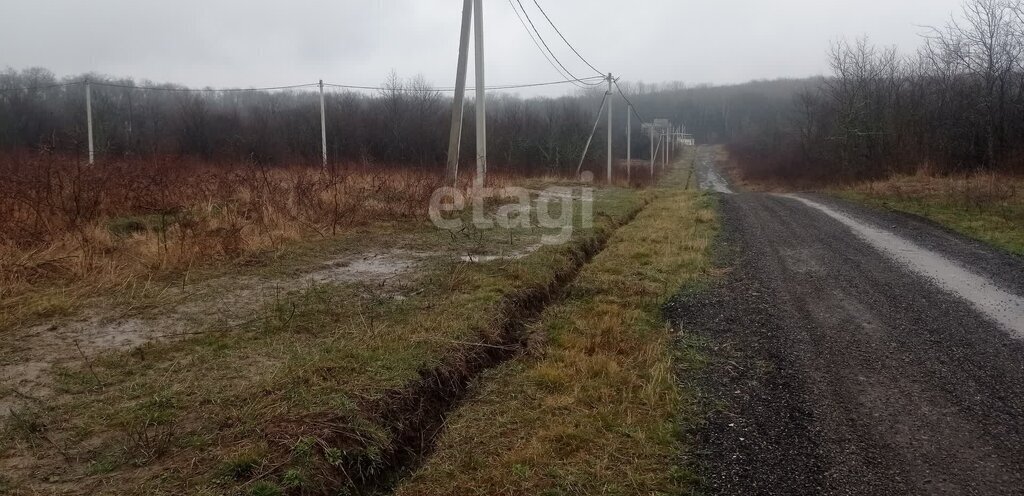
x=459 y=102
x=88 y=121
x=610 y=105
x=481 y=95
x=323 y=126
x=629 y=143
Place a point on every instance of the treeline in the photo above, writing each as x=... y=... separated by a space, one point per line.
x=956 y=105
x=405 y=122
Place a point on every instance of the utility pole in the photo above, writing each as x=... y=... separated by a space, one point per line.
x=131 y=138
x=664 y=155
x=481 y=95
x=323 y=127
x=651 y=129
x=675 y=131
x=629 y=143
x=88 y=120
x=610 y=105
x=590 y=139
x=458 y=104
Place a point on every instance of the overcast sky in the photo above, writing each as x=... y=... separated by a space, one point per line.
x=265 y=43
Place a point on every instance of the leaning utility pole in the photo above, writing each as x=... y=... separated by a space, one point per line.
x=481 y=95
x=653 y=156
x=88 y=121
x=610 y=105
x=629 y=143
x=323 y=127
x=590 y=139
x=458 y=104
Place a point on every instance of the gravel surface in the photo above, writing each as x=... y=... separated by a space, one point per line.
x=834 y=370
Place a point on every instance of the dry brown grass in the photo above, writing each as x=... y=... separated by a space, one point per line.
x=62 y=221
x=977 y=189
x=987 y=206
x=270 y=402
x=595 y=409
x=80 y=229
x=68 y=218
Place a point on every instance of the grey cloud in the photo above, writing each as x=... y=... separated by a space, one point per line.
x=256 y=42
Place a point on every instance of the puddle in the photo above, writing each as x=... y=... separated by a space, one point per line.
x=511 y=255
x=1005 y=308
x=31 y=354
x=708 y=176
x=376 y=268
x=549 y=195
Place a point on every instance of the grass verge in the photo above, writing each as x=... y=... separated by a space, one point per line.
x=987 y=207
x=301 y=398
x=594 y=409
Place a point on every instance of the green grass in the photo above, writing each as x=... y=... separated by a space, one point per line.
x=595 y=408
x=261 y=406
x=997 y=222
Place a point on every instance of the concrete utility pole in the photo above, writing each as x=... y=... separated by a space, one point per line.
x=651 y=129
x=664 y=156
x=481 y=95
x=670 y=146
x=610 y=105
x=323 y=126
x=629 y=143
x=458 y=104
x=88 y=121
x=675 y=131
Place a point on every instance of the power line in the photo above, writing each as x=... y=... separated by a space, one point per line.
x=631 y=106
x=565 y=40
x=537 y=44
x=160 y=88
x=449 y=89
x=588 y=80
x=45 y=87
x=546 y=47
x=202 y=90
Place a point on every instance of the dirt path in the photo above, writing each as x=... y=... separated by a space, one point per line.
x=841 y=365
x=708 y=177
x=29 y=356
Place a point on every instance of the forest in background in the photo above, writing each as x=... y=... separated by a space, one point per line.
x=405 y=122
x=954 y=105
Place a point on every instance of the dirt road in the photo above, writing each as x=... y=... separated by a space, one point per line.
x=857 y=352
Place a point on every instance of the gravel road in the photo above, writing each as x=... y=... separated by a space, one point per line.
x=844 y=359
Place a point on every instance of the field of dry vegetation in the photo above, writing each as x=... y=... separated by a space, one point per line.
x=188 y=328
x=987 y=206
x=82 y=230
